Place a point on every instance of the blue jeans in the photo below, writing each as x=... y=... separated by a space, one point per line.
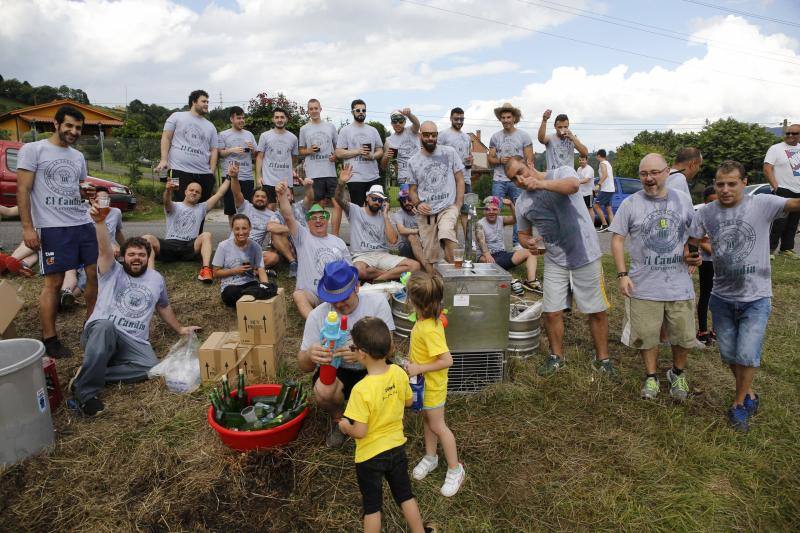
x=501 y=189
x=740 y=328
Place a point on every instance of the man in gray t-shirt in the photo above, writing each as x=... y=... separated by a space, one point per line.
x=361 y=145
x=687 y=166
x=738 y=226
x=402 y=144
x=560 y=148
x=189 y=146
x=572 y=271
x=656 y=221
x=116 y=337
x=237 y=145
x=277 y=153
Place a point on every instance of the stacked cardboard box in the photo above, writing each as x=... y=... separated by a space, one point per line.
x=261 y=326
x=11 y=304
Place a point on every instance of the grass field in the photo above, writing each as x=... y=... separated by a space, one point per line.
x=566 y=453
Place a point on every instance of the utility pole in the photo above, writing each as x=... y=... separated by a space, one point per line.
x=220 y=100
x=785 y=124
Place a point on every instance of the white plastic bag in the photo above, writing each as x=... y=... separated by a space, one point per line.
x=181 y=366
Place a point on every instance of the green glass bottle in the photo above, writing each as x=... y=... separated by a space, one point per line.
x=241 y=394
x=226 y=394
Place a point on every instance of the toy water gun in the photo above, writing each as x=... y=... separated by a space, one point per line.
x=332 y=337
x=443 y=317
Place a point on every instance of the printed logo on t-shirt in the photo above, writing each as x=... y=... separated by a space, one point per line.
x=323 y=141
x=360 y=140
x=194 y=136
x=323 y=257
x=278 y=154
x=184 y=224
x=661 y=231
x=734 y=241
x=61 y=177
x=374 y=235
x=508 y=148
x=134 y=301
x=794 y=161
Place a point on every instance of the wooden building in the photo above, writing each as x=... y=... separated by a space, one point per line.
x=40 y=119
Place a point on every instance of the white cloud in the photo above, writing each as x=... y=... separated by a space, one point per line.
x=680 y=96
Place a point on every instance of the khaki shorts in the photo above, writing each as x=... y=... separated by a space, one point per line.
x=435 y=228
x=585 y=283
x=644 y=318
x=380 y=260
x=312 y=298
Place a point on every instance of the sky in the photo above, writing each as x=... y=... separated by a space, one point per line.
x=615 y=67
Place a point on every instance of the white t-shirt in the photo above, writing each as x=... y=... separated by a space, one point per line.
x=786 y=160
x=278 y=149
x=587 y=188
x=608 y=184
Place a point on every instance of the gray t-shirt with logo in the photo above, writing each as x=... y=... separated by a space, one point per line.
x=278 y=149
x=369 y=304
x=740 y=243
x=367 y=232
x=232 y=138
x=313 y=253
x=562 y=221
x=57 y=175
x=409 y=220
x=407 y=144
x=559 y=152
x=462 y=144
x=192 y=141
x=229 y=255
x=259 y=219
x=507 y=145
x=183 y=221
x=434 y=176
x=352 y=137
x=324 y=135
x=113 y=222
x=493 y=234
x=657 y=229
x=129 y=301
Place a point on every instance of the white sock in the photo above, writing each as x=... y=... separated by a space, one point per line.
x=454 y=470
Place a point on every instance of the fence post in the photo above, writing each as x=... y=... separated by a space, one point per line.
x=102 y=150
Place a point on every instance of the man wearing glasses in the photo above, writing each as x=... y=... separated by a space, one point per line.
x=657 y=287
x=782 y=169
x=360 y=144
x=371 y=233
x=402 y=144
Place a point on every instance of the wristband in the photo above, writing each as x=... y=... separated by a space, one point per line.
x=622 y=274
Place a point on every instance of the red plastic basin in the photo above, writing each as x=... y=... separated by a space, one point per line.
x=263 y=438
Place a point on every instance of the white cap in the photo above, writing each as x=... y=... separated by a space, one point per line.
x=376 y=190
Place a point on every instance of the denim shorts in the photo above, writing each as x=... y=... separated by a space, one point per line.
x=740 y=328
x=604 y=198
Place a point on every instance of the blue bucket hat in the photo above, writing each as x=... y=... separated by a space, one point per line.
x=338 y=282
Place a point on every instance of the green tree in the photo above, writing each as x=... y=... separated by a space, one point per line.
x=5 y=135
x=151 y=117
x=260 y=108
x=627 y=157
x=730 y=139
x=381 y=129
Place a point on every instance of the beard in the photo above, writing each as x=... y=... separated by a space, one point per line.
x=64 y=139
x=374 y=208
x=429 y=146
x=360 y=118
x=260 y=207
x=133 y=274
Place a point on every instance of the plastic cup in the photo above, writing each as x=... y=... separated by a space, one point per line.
x=104 y=205
x=249 y=414
x=458 y=257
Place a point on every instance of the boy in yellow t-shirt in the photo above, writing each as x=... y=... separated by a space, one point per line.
x=374 y=418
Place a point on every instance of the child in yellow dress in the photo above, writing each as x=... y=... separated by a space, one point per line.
x=430 y=357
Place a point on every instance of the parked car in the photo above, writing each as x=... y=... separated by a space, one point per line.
x=121 y=195
x=623 y=187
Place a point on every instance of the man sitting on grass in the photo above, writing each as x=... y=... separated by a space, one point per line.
x=116 y=338
x=183 y=240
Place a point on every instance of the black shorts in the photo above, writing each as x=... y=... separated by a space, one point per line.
x=588 y=201
x=348 y=377
x=391 y=464
x=67 y=248
x=405 y=250
x=247 y=191
x=358 y=191
x=171 y=250
x=504 y=259
x=206 y=181
x=325 y=188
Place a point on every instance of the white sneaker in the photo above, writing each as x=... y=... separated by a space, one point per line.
x=453 y=481
x=425 y=466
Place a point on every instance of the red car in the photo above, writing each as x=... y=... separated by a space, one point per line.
x=121 y=195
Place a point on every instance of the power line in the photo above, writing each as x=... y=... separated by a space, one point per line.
x=743 y=13
x=590 y=43
x=654 y=30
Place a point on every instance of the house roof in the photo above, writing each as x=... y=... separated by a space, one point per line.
x=45 y=113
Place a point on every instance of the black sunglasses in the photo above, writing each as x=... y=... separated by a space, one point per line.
x=398 y=120
x=792 y=133
x=376 y=199
x=359 y=110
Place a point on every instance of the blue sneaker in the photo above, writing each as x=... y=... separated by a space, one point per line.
x=751 y=404
x=737 y=418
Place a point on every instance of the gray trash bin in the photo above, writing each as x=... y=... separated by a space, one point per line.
x=25 y=423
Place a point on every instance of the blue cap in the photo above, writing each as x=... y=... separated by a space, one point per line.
x=338 y=282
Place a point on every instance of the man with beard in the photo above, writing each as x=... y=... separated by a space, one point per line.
x=560 y=149
x=183 y=240
x=277 y=154
x=658 y=287
x=402 y=143
x=189 y=147
x=552 y=203
x=371 y=233
x=407 y=226
x=115 y=339
x=315 y=249
x=437 y=192
x=460 y=141
x=360 y=144
x=237 y=145
x=55 y=220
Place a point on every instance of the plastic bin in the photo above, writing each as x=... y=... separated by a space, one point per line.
x=26 y=426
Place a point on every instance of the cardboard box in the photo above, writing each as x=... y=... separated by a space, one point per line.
x=260 y=363
x=12 y=302
x=220 y=354
x=261 y=321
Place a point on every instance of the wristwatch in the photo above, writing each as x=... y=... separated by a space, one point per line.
x=622 y=274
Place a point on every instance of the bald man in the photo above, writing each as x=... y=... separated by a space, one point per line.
x=657 y=286
x=436 y=179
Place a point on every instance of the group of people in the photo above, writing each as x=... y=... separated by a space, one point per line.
x=552 y=213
